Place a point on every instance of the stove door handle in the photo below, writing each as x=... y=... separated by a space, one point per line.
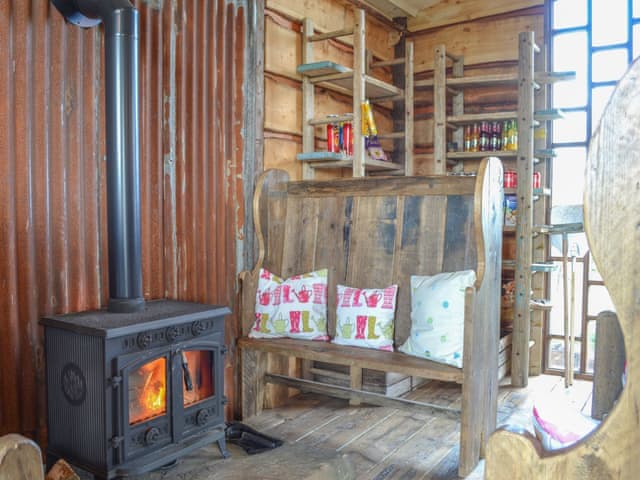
x=188 y=384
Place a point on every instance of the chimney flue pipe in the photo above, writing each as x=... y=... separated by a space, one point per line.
x=120 y=20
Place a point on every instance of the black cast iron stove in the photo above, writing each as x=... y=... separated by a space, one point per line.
x=139 y=385
x=131 y=392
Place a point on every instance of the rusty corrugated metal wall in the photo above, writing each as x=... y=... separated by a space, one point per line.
x=52 y=156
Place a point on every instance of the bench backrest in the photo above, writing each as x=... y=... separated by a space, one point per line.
x=378 y=231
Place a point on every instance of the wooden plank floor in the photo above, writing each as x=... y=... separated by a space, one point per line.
x=327 y=439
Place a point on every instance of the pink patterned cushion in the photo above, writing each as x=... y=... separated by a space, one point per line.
x=295 y=307
x=364 y=317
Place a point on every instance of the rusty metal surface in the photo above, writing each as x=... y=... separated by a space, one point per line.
x=53 y=248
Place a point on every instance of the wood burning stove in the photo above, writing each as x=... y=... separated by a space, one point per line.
x=130 y=392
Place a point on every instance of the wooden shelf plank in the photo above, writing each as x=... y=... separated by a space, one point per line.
x=537 y=192
x=468 y=155
x=333 y=119
x=484 y=80
x=561 y=228
x=328 y=35
x=318 y=69
x=552 y=114
x=553 y=77
x=322 y=157
x=479 y=117
x=326 y=160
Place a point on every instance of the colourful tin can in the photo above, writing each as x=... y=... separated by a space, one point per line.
x=510 y=179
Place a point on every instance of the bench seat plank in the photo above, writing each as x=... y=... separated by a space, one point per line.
x=354 y=356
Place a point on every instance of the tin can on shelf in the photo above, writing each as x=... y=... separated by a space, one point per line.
x=331 y=138
x=347 y=138
x=510 y=179
x=536 y=180
x=510 y=210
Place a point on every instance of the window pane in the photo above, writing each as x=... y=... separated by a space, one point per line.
x=574 y=280
x=572 y=93
x=599 y=300
x=571 y=128
x=594 y=274
x=609 y=65
x=579 y=239
x=568 y=166
x=556 y=355
x=570 y=52
x=636 y=8
x=636 y=41
x=599 y=98
x=591 y=346
x=569 y=13
x=609 y=22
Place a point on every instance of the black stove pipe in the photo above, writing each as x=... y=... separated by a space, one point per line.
x=121 y=22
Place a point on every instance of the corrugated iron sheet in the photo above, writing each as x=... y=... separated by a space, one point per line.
x=52 y=155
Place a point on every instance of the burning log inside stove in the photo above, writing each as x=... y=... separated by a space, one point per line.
x=148 y=391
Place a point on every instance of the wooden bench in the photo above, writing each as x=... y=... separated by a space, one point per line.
x=370 y=233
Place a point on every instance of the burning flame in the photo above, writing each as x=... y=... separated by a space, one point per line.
x=148 y=391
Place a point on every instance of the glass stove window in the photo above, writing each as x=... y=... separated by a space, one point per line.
x=148 y=391
x=198 y=384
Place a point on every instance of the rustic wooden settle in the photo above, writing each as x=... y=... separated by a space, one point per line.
x=612 y=223
x=374 y=232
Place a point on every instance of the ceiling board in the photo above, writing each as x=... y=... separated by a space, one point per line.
x=437 y=13
x=400 y=8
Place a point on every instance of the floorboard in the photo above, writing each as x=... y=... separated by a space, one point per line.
x=327 y=439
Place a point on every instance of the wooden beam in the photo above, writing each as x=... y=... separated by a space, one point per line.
x=364 y=397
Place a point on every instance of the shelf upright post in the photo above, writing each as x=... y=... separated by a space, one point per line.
x=522 y=313
x=358 y=92
x=457 y=102
x=408 y=110
x=308 y=95
x=439 y=111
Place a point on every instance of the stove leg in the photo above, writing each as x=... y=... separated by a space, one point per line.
x=222 y=445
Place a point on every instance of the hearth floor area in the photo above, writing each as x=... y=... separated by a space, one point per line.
x=326 y=439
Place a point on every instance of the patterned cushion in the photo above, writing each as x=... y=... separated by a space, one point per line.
x=364 y=317
x=295 y=307
x=437 y=316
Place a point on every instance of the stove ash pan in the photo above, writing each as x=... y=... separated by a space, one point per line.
x=130 y=392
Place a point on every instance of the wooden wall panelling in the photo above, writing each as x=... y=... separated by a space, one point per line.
x=331 y=15
x=52 y=161
x=480 y=42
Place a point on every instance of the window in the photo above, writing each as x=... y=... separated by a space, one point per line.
x=597 y=39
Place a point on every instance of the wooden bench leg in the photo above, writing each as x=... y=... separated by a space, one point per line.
x=253 y=369
x=356 y=383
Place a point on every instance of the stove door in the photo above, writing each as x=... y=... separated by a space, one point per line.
x=145 y=404
x=201 y=387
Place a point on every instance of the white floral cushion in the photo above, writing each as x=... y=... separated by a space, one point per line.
x=295 y=307
x=437 y=316
x=364 y=317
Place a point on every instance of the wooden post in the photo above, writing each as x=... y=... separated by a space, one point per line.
x=458 y=102
x=439 y=111
x=308 y=95
x=522 y=313
x=408 y=110
x=356 y=383
x=608 y=365
x=358 y=92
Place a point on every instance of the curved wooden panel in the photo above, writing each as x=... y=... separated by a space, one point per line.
x=612 y=216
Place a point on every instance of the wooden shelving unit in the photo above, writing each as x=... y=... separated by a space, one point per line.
x=529 y=156
x=357 y=83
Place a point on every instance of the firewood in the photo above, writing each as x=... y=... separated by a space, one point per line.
x=62 y=471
